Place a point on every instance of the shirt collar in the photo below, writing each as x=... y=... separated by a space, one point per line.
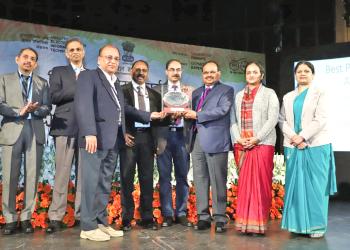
x=136 y=85
x=171 y=84
x=111 y=79
x=20 y=73
x=75 y=68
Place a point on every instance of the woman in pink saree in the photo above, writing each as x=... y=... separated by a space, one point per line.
x=253 y=121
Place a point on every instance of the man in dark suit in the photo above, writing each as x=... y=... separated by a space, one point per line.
x=139 y=148
x=210 y=143
x=171 y=148
x=63 y=81
x=24 y=102
x=100 y=113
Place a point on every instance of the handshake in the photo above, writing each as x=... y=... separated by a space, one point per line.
x=187 y=114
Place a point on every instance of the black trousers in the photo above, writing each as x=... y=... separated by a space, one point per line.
x=142 y=154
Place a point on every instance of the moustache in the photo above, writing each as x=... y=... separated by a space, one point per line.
x=140 y=75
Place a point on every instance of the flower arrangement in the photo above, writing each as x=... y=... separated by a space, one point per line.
x=114 y=209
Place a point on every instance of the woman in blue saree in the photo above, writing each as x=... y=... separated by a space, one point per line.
x=310 y=173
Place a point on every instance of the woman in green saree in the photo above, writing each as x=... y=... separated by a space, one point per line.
x=310 y=174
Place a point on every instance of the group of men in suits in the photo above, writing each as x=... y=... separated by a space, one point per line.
x=96 y=120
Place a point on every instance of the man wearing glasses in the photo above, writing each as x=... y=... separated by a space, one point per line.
x=63 y=81
x=24 y=102
x=211 y=141
x=171 y=148
x=100 y=114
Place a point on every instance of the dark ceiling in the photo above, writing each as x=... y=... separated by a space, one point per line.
x=253 y=25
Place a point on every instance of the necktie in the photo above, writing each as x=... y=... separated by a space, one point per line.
x=77 y=71
x=200 y=104
x=25 y=84
x=174 y=88
x=141 y=99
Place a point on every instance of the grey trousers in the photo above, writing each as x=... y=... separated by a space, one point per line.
x=66 y=152
x=12 y=159
x=210 y=170
x=97 y=172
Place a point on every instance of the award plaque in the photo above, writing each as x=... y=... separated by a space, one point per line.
x=177 y=101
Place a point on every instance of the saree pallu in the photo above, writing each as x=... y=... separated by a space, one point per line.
x=310 y=179
x=254 y=187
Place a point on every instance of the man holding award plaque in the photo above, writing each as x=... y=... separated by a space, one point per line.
x=171 y=146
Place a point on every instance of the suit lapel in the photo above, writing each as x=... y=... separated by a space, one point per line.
x=14 y=78
x=107 y=85
x=35 y=89
x=130 y=90
x=211 y=93
x=71 y=72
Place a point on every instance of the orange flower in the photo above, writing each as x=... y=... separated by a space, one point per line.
x=68 y=220
x=2 y=219
x=47 y=188
x=40 y=187
x=137 y=214
x=20 y=197
x=280 y=193
x=110 y=219
x=70 y=185
x=229 y=193
x=45 y=203
x=70 y=197
x=156 y=203
x=156 y=213
x=160 y=220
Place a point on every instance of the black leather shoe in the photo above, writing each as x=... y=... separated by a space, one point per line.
x=27 y=227
x=126 y=225
x=148 y=224
x=76 y=223
x=54 y=226
x=220 y=227
x=183 y=221
x=10 y=228
x=167 y=222
x=202 y=225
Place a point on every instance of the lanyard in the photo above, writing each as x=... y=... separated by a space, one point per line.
x=28 y=92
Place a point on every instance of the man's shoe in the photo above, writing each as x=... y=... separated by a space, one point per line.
x=148 y=224
x=110 y=231
x=183 y=221
x=27 y=227
x=94 y=235
x=10 y=228
x=126 y=225
x=202 y=225
x=220 y=227
x=76 y=223
x=167 y=222
x=54 y=226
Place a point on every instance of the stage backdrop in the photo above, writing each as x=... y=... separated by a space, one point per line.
x=49 y=42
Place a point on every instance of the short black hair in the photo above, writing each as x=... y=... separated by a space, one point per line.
x=132 y=66
x=307 y=63
x=74 y=39
x=170 y=61
x=31 y=49
x=211 y=61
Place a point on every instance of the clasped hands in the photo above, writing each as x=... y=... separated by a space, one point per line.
x=298 y=141
x=28 y=108
x=248 y=143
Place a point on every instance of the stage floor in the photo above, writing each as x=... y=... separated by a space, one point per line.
x=179 y=237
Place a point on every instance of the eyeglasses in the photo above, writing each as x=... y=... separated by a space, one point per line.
x=174 y=70
x=31 y=58
x=209 y=72
x=75 y=49
x=111 y=58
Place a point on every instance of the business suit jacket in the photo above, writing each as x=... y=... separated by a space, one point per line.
x=97 y=112
x=163 y=129
x=63 y=84
x=11 y=101
x=154 y=102
x=213 y=121
x=265 y=116
x=313 y=121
